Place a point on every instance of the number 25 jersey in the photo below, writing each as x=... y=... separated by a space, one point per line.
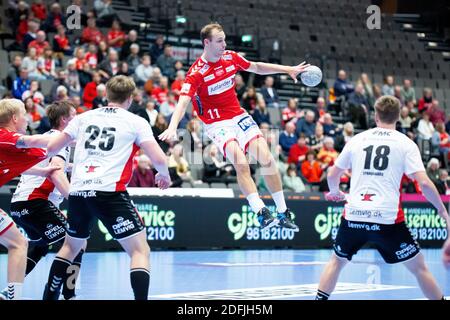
x=378 y=158
x=106 y=141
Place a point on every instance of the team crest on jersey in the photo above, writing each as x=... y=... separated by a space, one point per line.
x=219 y=72
x=91 y=168
x=367 y=196
x=204 y=69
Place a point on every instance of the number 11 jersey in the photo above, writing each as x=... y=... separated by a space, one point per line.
x=106 y=141
x=378 y=158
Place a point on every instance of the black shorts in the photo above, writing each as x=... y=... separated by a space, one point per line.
x=41 y=220
x=394 y=241
x=113 y=209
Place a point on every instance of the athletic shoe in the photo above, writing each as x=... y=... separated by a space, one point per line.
x=265 y=219
x=286 y=221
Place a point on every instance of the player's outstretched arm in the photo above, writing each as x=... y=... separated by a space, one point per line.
x=270 y=68
x=333 y=179
x=34 y=141
x=159 y=160
x=59 y=178
x=57 y=142
x=431 y=193
x=42 y=172
x=171 y=132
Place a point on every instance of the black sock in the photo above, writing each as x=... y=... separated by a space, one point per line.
x=56 y=277
x=73 y=271
x=322 y=295
x=140 y=282
x=35 y=253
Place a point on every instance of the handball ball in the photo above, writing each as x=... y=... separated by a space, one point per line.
x=312 y=76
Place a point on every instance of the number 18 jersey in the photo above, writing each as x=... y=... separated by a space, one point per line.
x=378 y=158
x=107 y=139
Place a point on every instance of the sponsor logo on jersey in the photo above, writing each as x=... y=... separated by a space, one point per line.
x=219 y=72
x=367 y=196
x=405 y=251
x=122 y=225
x=364 y=226
x=54 y=231
x=19 y=214
x=221 y=86
x=246 y=123
x=209 y=78
x=109 y=110
x=185 y=88
x=204 y=69
x=227 y=57
x=91 y=168
x=84 y=194
x=230 y=68
x=365 y=213
x=5 y=171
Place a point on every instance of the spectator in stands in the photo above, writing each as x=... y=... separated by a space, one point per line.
x=364 y=80
x=214 y=166
x=40 y=43
x=157 y=48
x=298 y=151
x=149 y=113
x=47 y=64
x=405 y=121
x=90 y=90
x=92 y=56
x=319 y=110
x=287 y=137
x=433 y=169
x=61 y=93
x=103 y=51
x=345 y=137
x=168 y=107
x=311 y=169
x=39 y=10
x=54 y=18
x=105 y=12
x=250 y=99
x=111 y=66
x=359 y=107
x=166 y=62
x=137 y=103
x=156 y=77
x=290 y=112
x=20 y=12
x=398 y=94
x=33 y=28
x=261 y=114
x=131 y=39
x=34 y=92
x=21 y=84
x=34 y=114
x=435 y=112
x=100 y=100
x=330 y=129
x=143 y=175
x=269 y=93
x=306 y=125
x=124 y=70
x=194 y=130
x=144 y=71
x=61 y=43
x=388 y=87
x=80 y=59
x=447 y=125
x=177 y=84
x=240 y=86
x=315 y=141
x=444 y=143
x=161 y=92
x=442 y=183
x=116 y=37
x=177 y=161
x=292 y=182
x=425 y=128
x=342 y=87
x=159 y=127
x=91 y=34
x=14 y=71
x=408 y=93
x=133 y=59
x=61 y=80
x=30 y=62
x=73 y=79
x=327 y=154
x=426 y=101
x=269 y=136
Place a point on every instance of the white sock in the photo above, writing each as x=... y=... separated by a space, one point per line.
x=14 y=290
x=278 y=198
x=255 y=202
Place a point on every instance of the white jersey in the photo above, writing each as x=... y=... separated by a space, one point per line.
x=106 y=141
x=378 y=159
x=34 y=187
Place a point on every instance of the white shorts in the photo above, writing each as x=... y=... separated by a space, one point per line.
x=5 y=222
x=241 y=128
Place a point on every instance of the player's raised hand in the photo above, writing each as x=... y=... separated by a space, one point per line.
x=335 y=196
x=168 y=135
x=162 y=181
x=296 y=70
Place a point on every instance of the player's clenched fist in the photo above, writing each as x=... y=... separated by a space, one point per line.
x=163 y=182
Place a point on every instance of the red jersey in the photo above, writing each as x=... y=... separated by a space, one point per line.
x=13 y=160
x=211 y=85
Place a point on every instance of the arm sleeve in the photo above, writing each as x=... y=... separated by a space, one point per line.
x=344 y=160
x=240 y=61
x=144 y=131
x=413 y=160
x=190 y=85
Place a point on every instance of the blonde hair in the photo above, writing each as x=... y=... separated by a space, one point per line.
x=388 y=109
x=9 y=108
x=119 y=89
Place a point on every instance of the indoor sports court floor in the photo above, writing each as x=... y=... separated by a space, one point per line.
x=240 y=274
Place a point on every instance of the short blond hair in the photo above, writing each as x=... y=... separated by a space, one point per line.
x=9 y=108
x=119 y=89
x=388 y=109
